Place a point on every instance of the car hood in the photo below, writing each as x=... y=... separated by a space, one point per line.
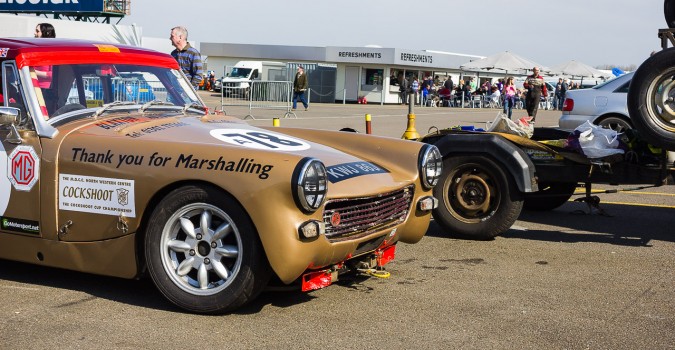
x=213 y=136
x=206 y=131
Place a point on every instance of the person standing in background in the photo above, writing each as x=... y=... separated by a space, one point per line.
x=45 y=30
x=449 y=84
x=557 y=102
x=536 y=88
x=414 y=88
x=403 y=88
x=509 y=96
x=189 y=59
x=563 y=92
x=44 y=73
x=300 y=85
x=212 y=80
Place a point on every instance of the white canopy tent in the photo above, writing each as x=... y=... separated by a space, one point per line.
x=505 y=61
x=575 y=69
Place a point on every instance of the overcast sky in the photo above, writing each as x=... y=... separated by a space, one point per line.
x=596 y=32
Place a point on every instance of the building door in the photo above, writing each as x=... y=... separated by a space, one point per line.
x=352 y=83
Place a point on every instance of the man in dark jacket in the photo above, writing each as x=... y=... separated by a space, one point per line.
x=563 y=92
x=300 y=85
x=535 y=86
x=403 y=88
x=449 y=84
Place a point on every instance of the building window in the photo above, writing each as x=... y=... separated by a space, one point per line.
x=395 y=76
x=373 y=77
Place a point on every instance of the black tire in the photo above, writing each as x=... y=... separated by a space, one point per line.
x=651 y=102
x=549 y=196
x=477 y=199
x=226 y=271
x=669 y=12
x=618 y=124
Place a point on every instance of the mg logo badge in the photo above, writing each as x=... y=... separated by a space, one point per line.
x=23 y=168
x=335 y=219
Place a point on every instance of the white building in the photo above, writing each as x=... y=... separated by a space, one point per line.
x=368 y=72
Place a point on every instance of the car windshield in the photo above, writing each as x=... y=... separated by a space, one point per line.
x=64 y=88
x=240 y=72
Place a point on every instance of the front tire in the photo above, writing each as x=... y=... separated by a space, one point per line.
x=477 y=199
x=203 y=252
x=651 y=99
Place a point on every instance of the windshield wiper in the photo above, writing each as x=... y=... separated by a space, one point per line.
x=155 y=103
x=194 y=105
x=110 y=105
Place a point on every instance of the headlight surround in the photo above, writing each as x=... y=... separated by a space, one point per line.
x=430 y=166
x=309 y=184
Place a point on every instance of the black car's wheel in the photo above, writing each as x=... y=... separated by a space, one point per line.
x=476 y=198
x=549 y=196
x=202 y=251
x=669 y=12
x=651 y=99
x=615 y=123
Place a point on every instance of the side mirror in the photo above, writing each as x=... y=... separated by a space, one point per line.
x=9 y=116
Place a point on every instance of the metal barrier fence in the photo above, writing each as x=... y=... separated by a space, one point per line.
x=135 y=89
x=258 y=94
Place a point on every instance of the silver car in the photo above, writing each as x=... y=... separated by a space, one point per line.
x=604 y=105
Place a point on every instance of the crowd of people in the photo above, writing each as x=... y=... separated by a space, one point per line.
x=502 y=93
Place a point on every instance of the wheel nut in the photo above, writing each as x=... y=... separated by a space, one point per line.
x=199 y=236
x=192 y=252
x=213 y=244
x=207 y=261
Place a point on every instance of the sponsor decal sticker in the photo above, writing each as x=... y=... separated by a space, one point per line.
x=341 y=172
x=20 y=225
x=23 y=168
x=117 y=122
x=183 y=160
x=3 y=51
x=99 y=195
x=259 y=139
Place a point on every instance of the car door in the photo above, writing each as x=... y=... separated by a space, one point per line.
x=20 y=157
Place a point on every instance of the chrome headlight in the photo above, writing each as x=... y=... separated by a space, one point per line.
x=430 y=166
x=309 y=184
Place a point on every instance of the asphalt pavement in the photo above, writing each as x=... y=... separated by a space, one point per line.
x=571 y=278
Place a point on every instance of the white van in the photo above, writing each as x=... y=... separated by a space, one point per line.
x=240 y=75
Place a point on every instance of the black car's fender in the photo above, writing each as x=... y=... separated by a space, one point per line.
x=513 y=159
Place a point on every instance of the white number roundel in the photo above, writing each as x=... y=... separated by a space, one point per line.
x=260 y=139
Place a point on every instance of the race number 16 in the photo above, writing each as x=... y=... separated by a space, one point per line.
x=259 y=139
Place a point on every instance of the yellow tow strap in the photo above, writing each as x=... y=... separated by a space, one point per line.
x=376 y=273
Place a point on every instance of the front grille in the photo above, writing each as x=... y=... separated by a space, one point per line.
x=361 y=216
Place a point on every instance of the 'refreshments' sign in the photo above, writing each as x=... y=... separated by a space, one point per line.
x=23 y=168
x=51 y=6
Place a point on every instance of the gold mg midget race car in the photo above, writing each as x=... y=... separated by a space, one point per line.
x=113 y=166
